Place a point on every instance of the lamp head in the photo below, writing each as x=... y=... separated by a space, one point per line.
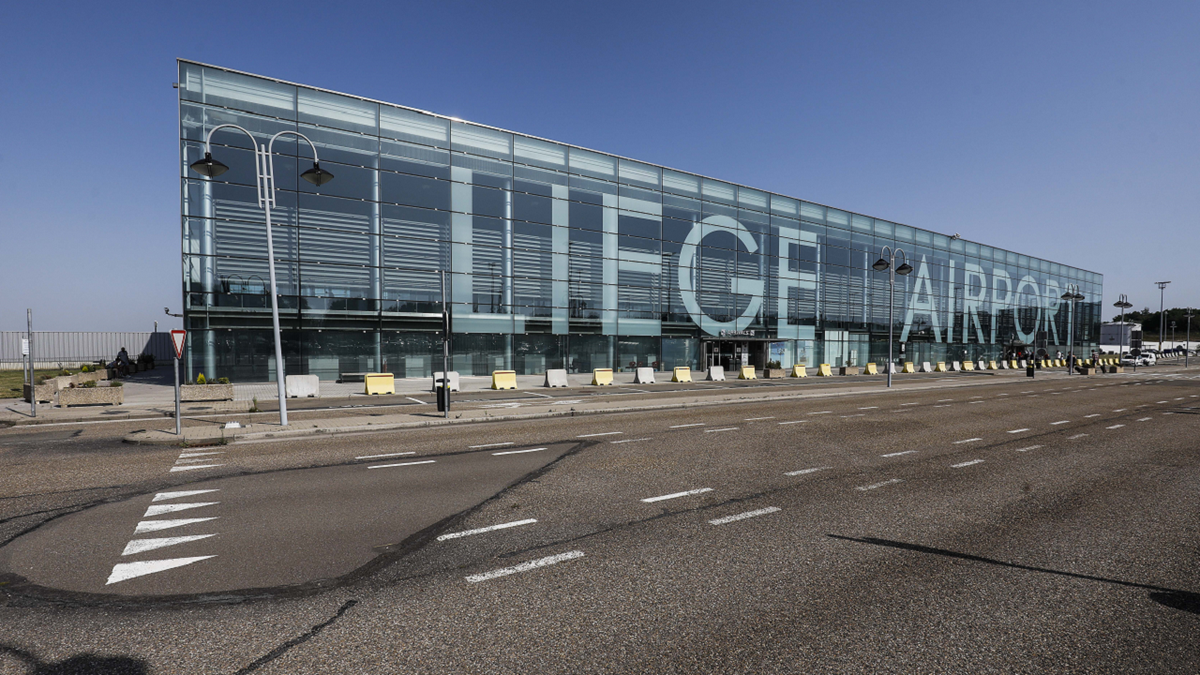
x=1077 y=296
x=316 y=175
x=904 y=269
x=209 y=166
x=880 y=265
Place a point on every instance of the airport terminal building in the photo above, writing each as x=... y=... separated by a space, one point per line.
x=555 y=256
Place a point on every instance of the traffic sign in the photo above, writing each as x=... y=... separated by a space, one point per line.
x=24 y=346
x=178 y=337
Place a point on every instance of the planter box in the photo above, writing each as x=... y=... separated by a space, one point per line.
x=91 y=396
x=45 y=392
x=774 y=373
x=80 y=378
x=190 y=393
x=1116 y=369
x=1086 y=370
x=848 y=370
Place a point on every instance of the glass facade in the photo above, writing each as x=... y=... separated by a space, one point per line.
x=555 y=256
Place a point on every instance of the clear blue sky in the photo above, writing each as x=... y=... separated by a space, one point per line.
x=1064 y=130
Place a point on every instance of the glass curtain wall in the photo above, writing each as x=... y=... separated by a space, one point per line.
x=554 y=256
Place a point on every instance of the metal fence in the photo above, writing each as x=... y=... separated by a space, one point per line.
x=53 y=347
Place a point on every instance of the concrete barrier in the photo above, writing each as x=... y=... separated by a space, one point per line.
x=1003 y=365
x=716 y=374
x=925 y=367
x=1024 y=364
x=871 y=369
x=375 y=384
x=955 y=366
x=644 y=376
x=981 y=365
x=1012 y=364
x=747 y=373
x=681 y=374
x=891 y=368
x=940 y=367
x=602 y=376
x=302 y=386
x=824 y=370
x=908 y=367
x=799 y=371
x=504 y=379
x=437 y=375
x=968 y=366
x=556 y=377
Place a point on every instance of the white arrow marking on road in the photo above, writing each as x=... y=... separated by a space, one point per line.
x=525 y=567
x=123 y=571
x=163 y=496
x=142 y=545
x=194 y=466
x=169 y=508
x=156 y=525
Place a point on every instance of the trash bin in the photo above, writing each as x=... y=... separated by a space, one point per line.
x=442 y=386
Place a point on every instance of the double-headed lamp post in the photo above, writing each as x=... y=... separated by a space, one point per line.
x=887 y=261
x=264 y=165
x=1162 y=325
x=1073 y=296
x=1123 y=304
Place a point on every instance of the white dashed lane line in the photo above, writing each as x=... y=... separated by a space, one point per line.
x=795 y=422
x=962 y=464
x=875 y=486
x=525 y=566
x=802 y=472
x=1017 y=431
x=870 y=407
x=743 y=516
x=1120 y=410
x=676 y=495
x=910 y=404
x=391 y=454
x=490 y=528
x=755 y=419
x=1093 y=415
x=628 y=440
x=821 y=412
x=967 y=440
x=854 y=415
x=713 y=431
x=605 y=433
x=897 y=454
x=1032 y=447
x=1115 y=426
x=388 y=466
x=684 y=426
x=517 y=452
x=487 y=445
x=1060 y=422
x=1145 y=419
x=1071 y=438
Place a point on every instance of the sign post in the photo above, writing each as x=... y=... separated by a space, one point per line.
x=32 y=366
x=178 y=337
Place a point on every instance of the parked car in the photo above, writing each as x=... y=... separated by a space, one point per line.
x=1143 y=359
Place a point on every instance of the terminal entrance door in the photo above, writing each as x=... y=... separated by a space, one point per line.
x=733 y=354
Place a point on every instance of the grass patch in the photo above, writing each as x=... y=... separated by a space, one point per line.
x=11 y=381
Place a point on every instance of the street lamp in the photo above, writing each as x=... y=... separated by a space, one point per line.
x=264 y=164
x=887 y=261
x=1073 y=296
x=1172 y=335
x=1124 y=304
x=1161 y=315
x=1187 y=345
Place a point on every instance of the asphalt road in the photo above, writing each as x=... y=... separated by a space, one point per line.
x=1045 y=526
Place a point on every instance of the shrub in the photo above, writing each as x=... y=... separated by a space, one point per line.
x=200 y=379
x=64 y=371
x=222 y=380
x=88 y=384
x=773 y=364
x=85 y=369
x=115 y=383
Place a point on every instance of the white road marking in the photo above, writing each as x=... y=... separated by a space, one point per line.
x=1121 y=409
x=388 y=466
x=606 y=433
x=525 y=566
x=156 y=525
x=910 y=404
x=192 y=467
x=1145 y=419
x=160 y=509
x=1115 y=426
x=180 y=462
x=163 y=496
x=628 y=440
x=795 y=422
x=1017 y=431
x=490 y=528
x=516 y=452
x=1093 y=415
x=879 y=485
x=978 y=401
x=390 y=454
x=943 y=406
x=1163 y=401
x=1071 y=438
x=967 y=440
x=802 y=472
x=897 y=454
x=962 y=464
x=821 y=412
x=534 y=393
x=743 y=516
x=1060 y=422
x=123 y=571
x=1032 y=447
x=755 y=419
x=684 y=426
x=487 y=445
x=514 y=404
x=200 y=454
x=870 y=407
x=944 y=400
x=855 y=415
x=415 y=400
x=676 y=495
x=1179 y=398
x=713 y=431
x=143 y=545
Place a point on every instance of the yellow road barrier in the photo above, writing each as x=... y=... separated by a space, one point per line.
x=379 y=383
x=799 y=371
x=1013 y=364
x=682 y=374
x=504 y=379
x=992 y=365
x=908 y=367
x=871 y=369
x=968 y=365
x=823 y=370
x=940 y=367
x=747 y=373
x=601 y=376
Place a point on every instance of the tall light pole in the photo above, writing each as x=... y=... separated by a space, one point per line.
x=1073 y=296
x=1187 y=345
x=1172 y=335
x=1124 y=304
x=1161 y=315
x=887 y=261
x=264 y=165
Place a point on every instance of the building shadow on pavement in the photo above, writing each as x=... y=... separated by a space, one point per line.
x=1186 y=601
x=80 y=664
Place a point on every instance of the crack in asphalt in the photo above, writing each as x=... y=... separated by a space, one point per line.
x=298 y=640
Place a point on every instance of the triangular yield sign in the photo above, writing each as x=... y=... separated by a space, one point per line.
x=177 y=339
